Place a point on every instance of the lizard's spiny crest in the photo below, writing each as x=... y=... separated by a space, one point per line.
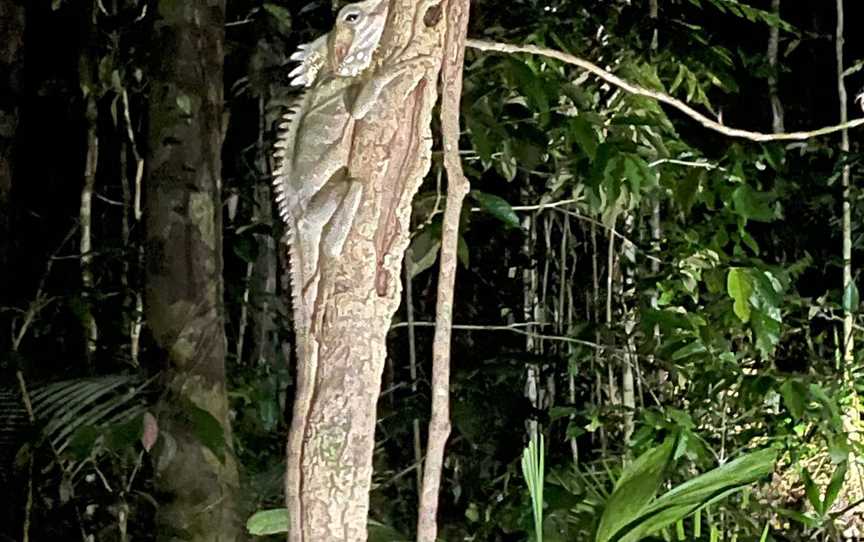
x=351 y=43
x=311 y=57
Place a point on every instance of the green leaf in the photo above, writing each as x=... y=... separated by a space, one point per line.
x=812 y=491
x=265 y=522
x=506 y=163
x=463 y=253
x=558 y=412
x=637 y=486
x=533 y=458
x=125 y=435
x=584 y=135
x=697 y=493
x=481 y=138
x=82 y=442
x=378 y=532
x=424 y=249
x=766 y=291
x=767 y=331
x=753 y=205
x=804 y=519
x=529 y=146
x=839 y=448
x=497 y=207
x=636 y=171
x=279 y=13
x=574 y=431
x=739 y=286
x=687 y=189
x=850 y=297
x=206 y=429
x=695 y=347
x=834 y=486
x=795 y=397
x=530 y=84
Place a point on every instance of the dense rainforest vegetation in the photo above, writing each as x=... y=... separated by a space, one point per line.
x=655 y=329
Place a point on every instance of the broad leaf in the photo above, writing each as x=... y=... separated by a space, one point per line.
x=582 y=132
x=206 y=428
x=378 y=532
x=795 y=397
x=497 y=207
x=265 y=522
x=424 y=249
x=812 y=491
x=834 y=486
x=767 y=331
x=694 y=494
x=753 y=205
x=739 y=286
x=637 y=486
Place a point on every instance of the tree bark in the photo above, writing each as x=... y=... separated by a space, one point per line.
x=853 y=490
x=391 y=153
x=88 y=78
x=11 y=64
x=777 y=123
x=264 y=274
x=183 y=297
x=457 y=188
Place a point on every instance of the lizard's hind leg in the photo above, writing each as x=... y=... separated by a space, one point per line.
x=337 y=228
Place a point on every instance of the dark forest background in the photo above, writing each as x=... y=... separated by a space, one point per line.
x=714 y=312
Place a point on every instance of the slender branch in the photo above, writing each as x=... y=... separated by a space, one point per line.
x=851 y=418
x=848 y=338
x=137 y=319
x=28 y=406
x=457 y=188
x=40 y=299
x=653 y=12
x=91 y=162
x=704 y=165
x=659 y=96
x=611 y=262
x=412 y=363
x=538 y=207
x=518 y=329
x=773 y=77
x=855 y=68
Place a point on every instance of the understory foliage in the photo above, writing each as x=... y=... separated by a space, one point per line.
x=646 y=299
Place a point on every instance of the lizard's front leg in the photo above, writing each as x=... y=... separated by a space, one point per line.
x=371 y=91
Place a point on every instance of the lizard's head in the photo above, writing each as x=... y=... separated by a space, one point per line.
x=356 y=35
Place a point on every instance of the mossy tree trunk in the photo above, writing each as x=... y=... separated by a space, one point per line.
x=11 y=63
x=196 y=473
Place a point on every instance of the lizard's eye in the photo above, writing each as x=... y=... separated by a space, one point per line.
x=352 y=17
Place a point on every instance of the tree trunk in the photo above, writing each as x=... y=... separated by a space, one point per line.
x=11 y=63
x=265 y=347
x=331 y=461
x=183 y=298
x=88 y=79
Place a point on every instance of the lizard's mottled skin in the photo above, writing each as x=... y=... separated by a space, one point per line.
x=315 y=192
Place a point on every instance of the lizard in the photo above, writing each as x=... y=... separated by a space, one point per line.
x=315 y=193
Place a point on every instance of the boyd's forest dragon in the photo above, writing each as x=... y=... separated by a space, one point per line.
x=316 y=194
